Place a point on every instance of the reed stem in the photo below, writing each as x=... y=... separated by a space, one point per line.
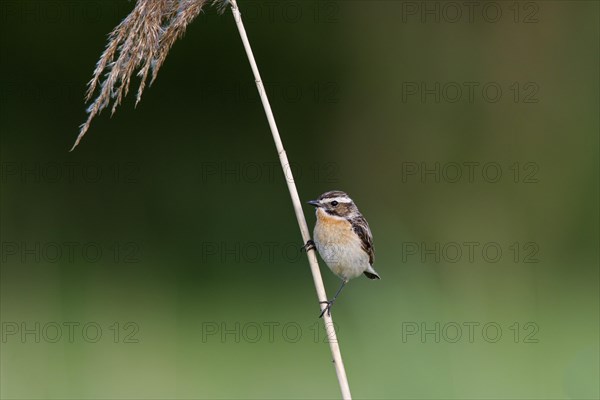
x=312 y=258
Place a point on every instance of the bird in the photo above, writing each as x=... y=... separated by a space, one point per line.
x=343 y=239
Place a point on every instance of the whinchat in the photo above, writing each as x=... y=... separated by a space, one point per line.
x=343 y=239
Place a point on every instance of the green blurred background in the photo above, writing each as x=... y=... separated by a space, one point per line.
x=160 y=259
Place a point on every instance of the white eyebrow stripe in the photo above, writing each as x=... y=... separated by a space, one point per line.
x=338 y=199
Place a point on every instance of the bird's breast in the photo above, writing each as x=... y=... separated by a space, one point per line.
x=339 y=246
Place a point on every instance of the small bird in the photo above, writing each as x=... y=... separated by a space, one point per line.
x=343 y=239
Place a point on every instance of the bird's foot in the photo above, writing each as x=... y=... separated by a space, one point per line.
x=327 y=308
x=310 y=245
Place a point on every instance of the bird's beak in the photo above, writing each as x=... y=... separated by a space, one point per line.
x=315 y=203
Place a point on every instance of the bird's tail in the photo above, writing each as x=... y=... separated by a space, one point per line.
x=371 y=274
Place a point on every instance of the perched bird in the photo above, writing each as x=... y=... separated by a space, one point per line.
x=343 y=239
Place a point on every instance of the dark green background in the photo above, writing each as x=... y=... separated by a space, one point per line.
x=197 y=231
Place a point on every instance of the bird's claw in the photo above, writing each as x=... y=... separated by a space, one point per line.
x=310 y=245
x=326 y=309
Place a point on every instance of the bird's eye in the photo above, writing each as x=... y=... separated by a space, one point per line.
x=334 y=203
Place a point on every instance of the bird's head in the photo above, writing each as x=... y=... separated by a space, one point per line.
x=336 y=203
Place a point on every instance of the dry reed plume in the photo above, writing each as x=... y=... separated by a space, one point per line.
x=139 y=43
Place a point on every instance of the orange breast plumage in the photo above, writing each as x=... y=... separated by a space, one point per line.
x=339 y=246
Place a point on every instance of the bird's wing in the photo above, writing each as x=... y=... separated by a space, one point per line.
x=361 y=227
